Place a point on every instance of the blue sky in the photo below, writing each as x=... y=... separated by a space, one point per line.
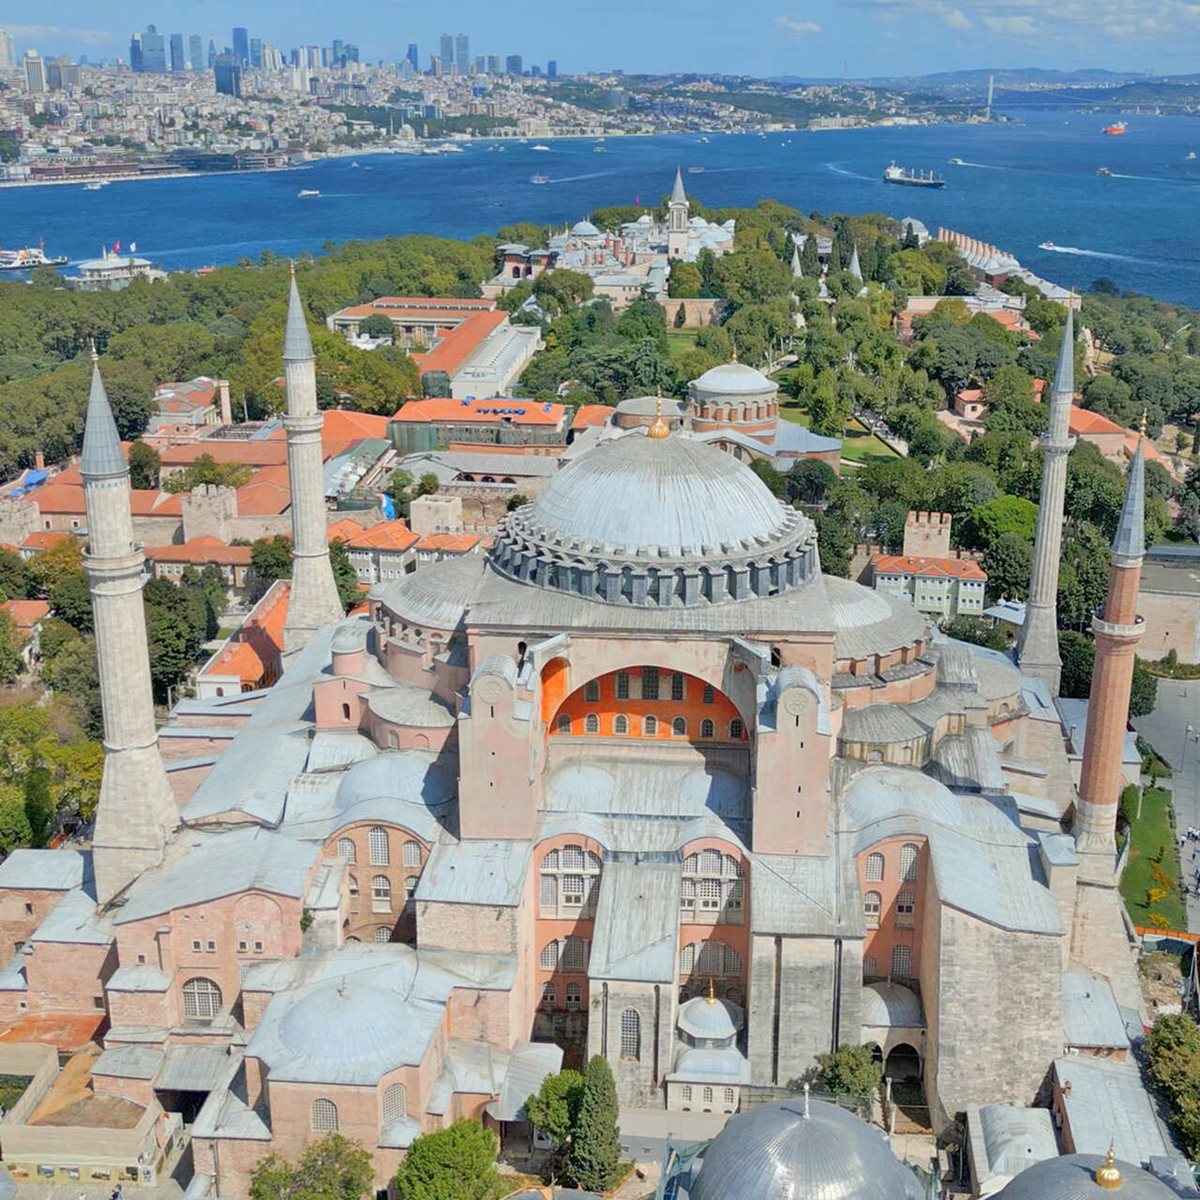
x=762 y=37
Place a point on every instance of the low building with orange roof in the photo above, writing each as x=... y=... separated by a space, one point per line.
x=384 y=551
x=589 y=416
x=420 y=322
x=250 y=452
x=970 y=404
x=27 y=617
x=943 y=587
x=515 y=425
x=252 y=658
x=170 y=562
x=434 y=547
x=484 y=356
x=40 y=540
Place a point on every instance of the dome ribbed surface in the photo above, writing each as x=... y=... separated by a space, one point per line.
x=1073 y=1177
x=732 y=379
x=351 y=1023
x=717 y=1019
x=776 y=1153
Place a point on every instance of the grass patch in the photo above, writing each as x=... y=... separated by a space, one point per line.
x=1153 y=866
x=861 y=446
x=679 y=341
x=795 y=414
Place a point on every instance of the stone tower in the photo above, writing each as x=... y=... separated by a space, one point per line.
x=1037 y=651
x=136 y=810
x=314 y=597
x=1117 y=629
x=677 y=219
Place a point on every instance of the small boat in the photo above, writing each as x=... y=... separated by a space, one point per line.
x=957 y=162
x=94 y=186
x=354 y=166
x=695 y=170
x=1047 y=246
x=1191 y=154
x=1117 y=129
x=1103 y=172
x=540 y=179
x=303 y=192
x=599 y=150
x=539 y=147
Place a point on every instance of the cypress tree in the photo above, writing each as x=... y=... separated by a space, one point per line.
x=810 y=260
x=595 y=1151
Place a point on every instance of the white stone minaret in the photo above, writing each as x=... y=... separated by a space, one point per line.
x=677 y=219
x=1037 y=651
x=314 y=597
x=137 y=811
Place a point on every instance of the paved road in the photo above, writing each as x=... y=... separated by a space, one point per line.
x=1173 y=729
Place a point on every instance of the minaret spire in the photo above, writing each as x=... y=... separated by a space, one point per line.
x=313 y=601
x=136 y=811
x=797 y=269
x=855 y=267
x=1037 y=651
x=677 y=219
x=1117 y=629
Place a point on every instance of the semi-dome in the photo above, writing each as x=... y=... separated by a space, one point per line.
x=891 y=1005
x=669 y=521
x=710 y=1018
x=732 y=379
x=355 y=1024
x=1073 y=1177
x=777 y=1152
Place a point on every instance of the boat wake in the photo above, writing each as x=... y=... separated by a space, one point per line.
x=573 y=178
x=837 y=169
x=1097 y=254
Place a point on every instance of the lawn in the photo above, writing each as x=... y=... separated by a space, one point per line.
x=679 y=341
x=858 y=446
x=1154 y=864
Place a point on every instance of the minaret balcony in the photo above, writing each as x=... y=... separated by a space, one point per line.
x=1115 y=629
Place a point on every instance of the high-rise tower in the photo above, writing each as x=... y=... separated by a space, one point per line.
x=1117 y=629
x=1037 y=651
x=677 y=219
x=136 y=811
x=314 y=596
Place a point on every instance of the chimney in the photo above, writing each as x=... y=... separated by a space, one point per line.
x=39 y=460
x=226 y=408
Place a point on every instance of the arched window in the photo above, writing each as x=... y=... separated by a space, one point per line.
x=649 y=683
x=395 y=1104
x=412 y=854
x=345 y=849
x=549 y=997
x=591 y=691
x=706 y=1096
x=324 y=1116
x=569 y=883
x=201 y=999
x=591 y=723
x=564 y=723
x=709 y=695
x=875 y=868
x=650 y=726
x=345 y=712
x=905 y=903
x=574 y=997
x=383 y=934
x=575 y=955
x=679 y=727
x=548 y=959
x=678 y=687
x=908 y=863
x=381 y=894
x=377 y=840
x=872 y=903
x=902 y=961
x=631 y=1034
x=707 y=728
x=729 y=1095
x=620 y=723
x=737 y=729
x=685 y=1092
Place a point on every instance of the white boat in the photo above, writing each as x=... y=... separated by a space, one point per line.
x=599 y=150
x=354 y=166
x=1047 y=246
x=1191 y=154
x=303 y=192
x=539 y=147
x=92 y=187
x=957 y=162
x=540 y=179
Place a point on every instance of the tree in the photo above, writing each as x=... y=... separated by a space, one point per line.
x=593 y=1157
x=455 y=1163
x=554 y=1110
x=1078 y=654
x=14 y=824
x=753 y=277
x=973 y=630
x=11 y=662
x=835 y=540
x=330 y=1168
x=776 y=482
x=16 y=581
x=1008 y=560
x=1011 y=407
x=1173 y=1050
x=377 y=326
x=685 y=281
x=850 y=1071
x=169 y=641
x=1006 y=514
x=144 y=466
x=427 y=484
x=71 y=600
x=271 y=558
x=809 y=480
x=344 y=574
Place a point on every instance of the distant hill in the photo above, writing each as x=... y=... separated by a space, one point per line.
x=1008 y=77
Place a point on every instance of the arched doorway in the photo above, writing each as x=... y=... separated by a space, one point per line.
x=903 y=1064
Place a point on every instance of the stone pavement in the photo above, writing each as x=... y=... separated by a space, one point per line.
x=1172 y=729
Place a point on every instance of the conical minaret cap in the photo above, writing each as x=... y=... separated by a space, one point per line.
x=678 y=195
x=297 y=345
x=1129 y=542
x=1062 y=394
x=797 y=269
x=101 y=457
x=855 y=267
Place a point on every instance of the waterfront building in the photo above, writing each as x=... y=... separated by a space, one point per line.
x=113 y=271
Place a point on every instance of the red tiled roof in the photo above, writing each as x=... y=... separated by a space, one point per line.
x=387 y=535
x=43 y=539
x=261 y=453
x=265 y=494
x=204 y=549
x=65 y=1031
x=481 y=412
x=449 y=543
x=26 y=613
x=1083 y=421
x=587 y=415
x=416 y=307
x=345 y=530
x=950 y=568
x=452 y=352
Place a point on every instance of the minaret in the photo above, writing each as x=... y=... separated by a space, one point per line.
x=1117 y=629
x=855 y=267
x=1037 y=651
x=136 y=811
x=797 y=269
x=677 y=219
x=313 y=601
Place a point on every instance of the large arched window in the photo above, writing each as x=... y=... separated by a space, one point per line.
x=709 y=958
x=395 y=1104
x=901 y=961
x=575 y=955
x=707 y=728
x=201 y=999
x=737 y=729
x=381 y=894
x=591 y=723
x=650 y=726
x=548 y=959
x=872 y=903
x=412 y=854
x=908 y=863
x=345 y=849
x=631 y=1034
x=324 y=1116
x=679 y=727
x=377 y=840
x=383 y=934
x=712 y=888
x=875 y=868
x=620 y=723
x=569 y=884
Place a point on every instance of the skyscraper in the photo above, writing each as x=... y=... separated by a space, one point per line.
x=195 y=52
x=552 y=69
x=241 y=45
x=177 y=59
x=35 y=72
x=462 y=54
x=446 y=52
x=493 y=64
x=514 y=65
x=7 y=53
x=414 y=57
x=148 y=51
x=227 y=75
x=212 y=54
x=256 y=52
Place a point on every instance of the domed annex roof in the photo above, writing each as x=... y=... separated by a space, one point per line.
x=585 y=229
x=891 y=1005
x=657 y=521
x=1073 y=1177
x=775 y=1152
x=710 y=1018
x=732 y=379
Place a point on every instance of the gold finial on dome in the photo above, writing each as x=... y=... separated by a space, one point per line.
x=712 y=999
x=733 y=353
x=660 y=429
x=1145 y=420
x=1108 y=1176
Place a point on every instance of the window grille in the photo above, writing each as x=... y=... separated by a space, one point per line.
x=377 y=840
x=324 y=1116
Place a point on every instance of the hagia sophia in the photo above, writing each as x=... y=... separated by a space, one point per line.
x=640 y=782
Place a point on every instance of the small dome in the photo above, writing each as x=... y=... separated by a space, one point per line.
x=352 y=1023
x=585 y=229
x=1073 y=1177
x=891 y=1005
x=645 y=219
x=775 y=1152
x=879 y=793
x=714 y=1020
x=854 y=605
x=401 y=778
x=733 y=379
x=435 y=597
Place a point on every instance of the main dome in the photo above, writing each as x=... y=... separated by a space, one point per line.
x=776 y=1152
x=732 y=379
x=657 y=521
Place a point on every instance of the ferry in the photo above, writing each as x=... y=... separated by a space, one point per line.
x=303 y=192
x=540 y=179
x=540 y=147
x=29 y=258
x=92 y=187
x=906 y=178
x=1115 y=130
x=957 y=162
x=1103 y=172
x=695 y=170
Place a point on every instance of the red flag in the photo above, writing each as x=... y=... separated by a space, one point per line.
x=116 y=247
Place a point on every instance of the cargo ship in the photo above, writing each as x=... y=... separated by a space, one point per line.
x=895 y=174
x=1115 y=130
x=28 y=259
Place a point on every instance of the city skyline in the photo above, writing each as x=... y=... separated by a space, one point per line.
x=817 y=39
